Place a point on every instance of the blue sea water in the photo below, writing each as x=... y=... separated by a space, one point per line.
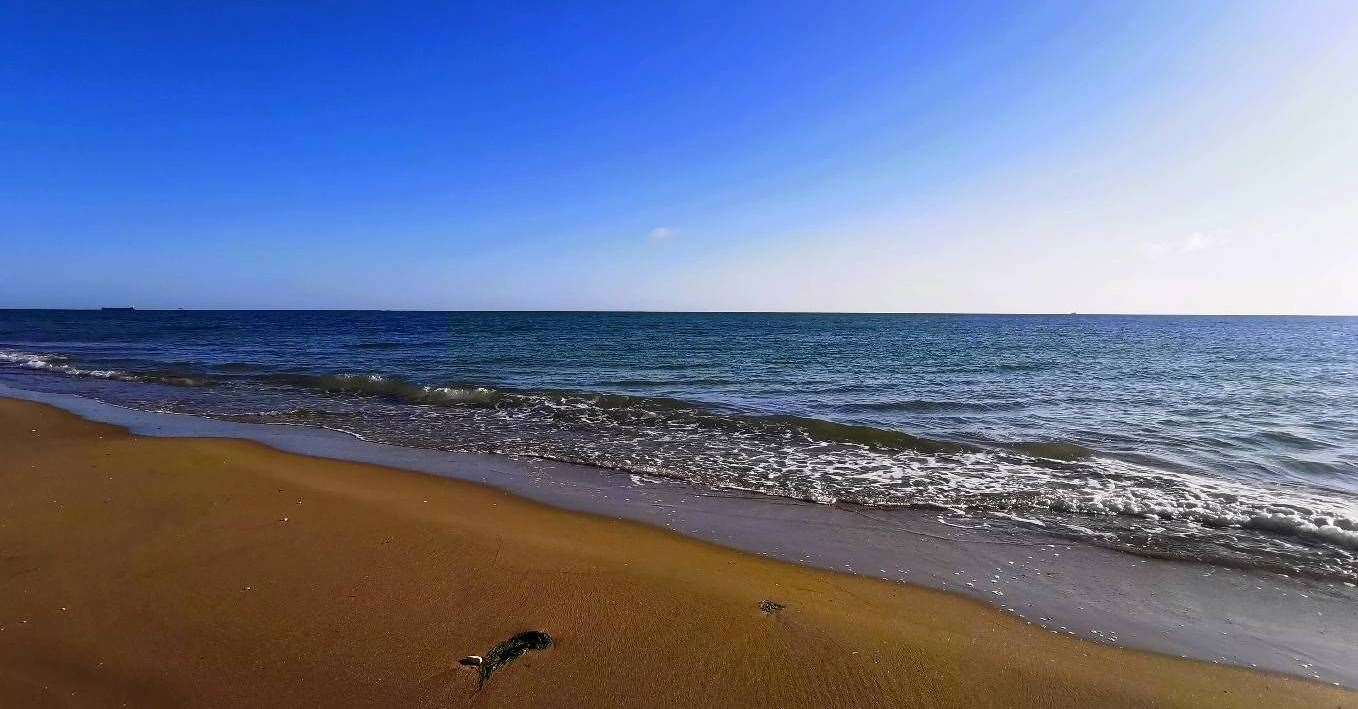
x=1232 y=440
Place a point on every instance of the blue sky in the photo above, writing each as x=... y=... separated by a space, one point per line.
x=1049 y=157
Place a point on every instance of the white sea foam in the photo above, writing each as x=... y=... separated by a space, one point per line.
x=57 y=364
x=1089 y=496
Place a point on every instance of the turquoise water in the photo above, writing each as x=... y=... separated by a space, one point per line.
x=1232 y=440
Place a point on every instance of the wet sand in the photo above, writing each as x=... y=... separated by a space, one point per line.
x=219 y=572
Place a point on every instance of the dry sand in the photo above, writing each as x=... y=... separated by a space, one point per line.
x=167 y=572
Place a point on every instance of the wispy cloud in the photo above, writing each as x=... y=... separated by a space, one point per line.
x=662 y=233
x=1193 y=243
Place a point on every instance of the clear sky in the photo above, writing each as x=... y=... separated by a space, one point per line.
x=875 y=156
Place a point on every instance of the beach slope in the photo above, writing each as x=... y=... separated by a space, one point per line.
x=167 y=572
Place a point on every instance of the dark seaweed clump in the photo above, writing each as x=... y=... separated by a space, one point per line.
x=511 y=650
x=770 y=607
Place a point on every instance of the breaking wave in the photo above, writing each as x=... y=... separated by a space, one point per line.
x=379 y=385
x=1062 y=486
x=57 y=364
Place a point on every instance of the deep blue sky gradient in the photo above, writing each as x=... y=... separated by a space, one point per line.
x=481 y=156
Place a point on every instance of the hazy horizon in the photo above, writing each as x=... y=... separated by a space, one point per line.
x=624 y=311
x=1046 y=158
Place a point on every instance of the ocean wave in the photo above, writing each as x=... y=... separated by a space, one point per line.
x=1052 y=450
x=380 y=385
x=791 y=456
x=1340 y=531
x=57 y=364
x=1098 y=499
x=1291 y=440
x=873 y=466
x=618 y=409
x=1063 y=486
x=868 y=436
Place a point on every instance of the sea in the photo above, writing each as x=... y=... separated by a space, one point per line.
x=1231 y=441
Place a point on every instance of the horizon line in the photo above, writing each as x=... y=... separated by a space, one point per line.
x=626 y=311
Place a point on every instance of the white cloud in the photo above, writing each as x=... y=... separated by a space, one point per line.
x=662 y=233
x=1193 y=243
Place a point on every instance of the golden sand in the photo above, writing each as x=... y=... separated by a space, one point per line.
x=168 y=572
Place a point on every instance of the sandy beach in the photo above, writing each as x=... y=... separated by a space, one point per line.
x=165 y=572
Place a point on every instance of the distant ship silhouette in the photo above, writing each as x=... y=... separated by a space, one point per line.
x=118 y=310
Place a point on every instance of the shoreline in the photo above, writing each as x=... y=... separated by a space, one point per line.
x=1256 y=620
x=229 y=586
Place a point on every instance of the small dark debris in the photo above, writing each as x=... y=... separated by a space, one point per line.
x=770 y=607
x=471 y=661
x=511 y=650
